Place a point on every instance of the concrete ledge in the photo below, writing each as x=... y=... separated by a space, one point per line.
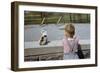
x=33 y=48
x=57 y=43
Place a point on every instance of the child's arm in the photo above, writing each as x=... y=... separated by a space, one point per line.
x=65 y=46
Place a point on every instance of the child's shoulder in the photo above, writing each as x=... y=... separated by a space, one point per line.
x=76 y=38
x=64 y=38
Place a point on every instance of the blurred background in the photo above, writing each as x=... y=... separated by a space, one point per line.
x=54 y=23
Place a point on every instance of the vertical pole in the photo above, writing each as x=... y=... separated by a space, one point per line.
x=59 y=19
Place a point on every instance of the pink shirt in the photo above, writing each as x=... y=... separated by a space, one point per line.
x=70 y=44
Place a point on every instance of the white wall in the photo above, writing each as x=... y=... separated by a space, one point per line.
x=5 y=38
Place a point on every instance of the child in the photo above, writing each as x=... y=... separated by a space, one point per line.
x=70 y=42
x=43 y=39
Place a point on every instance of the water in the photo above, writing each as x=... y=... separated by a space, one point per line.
x=55 y=32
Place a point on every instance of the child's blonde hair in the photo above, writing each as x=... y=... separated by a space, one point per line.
x=70 y=29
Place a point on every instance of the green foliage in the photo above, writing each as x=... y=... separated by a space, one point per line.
x=31 y=17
